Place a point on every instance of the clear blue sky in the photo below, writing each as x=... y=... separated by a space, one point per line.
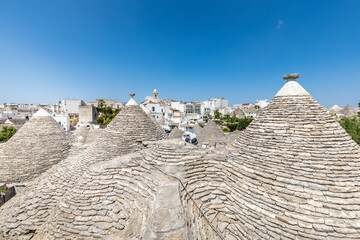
x=186 y=49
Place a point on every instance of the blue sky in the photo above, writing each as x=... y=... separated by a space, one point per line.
x=188 y=50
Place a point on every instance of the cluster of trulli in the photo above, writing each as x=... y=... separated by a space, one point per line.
x=130 y=131
x=38 y=145
x=294 y=173
x=347 y=111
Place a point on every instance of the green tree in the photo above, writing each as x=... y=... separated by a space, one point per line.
x=101 y=103
x=107 y=114
x=217 y=114
x=238 y=124
x=6 y=133
x=257 y=107
x=107 y=121
x=226 y=129
x=352 y=127
x=100 y=120
x=227 y=117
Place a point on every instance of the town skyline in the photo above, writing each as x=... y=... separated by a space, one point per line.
x=139 y=99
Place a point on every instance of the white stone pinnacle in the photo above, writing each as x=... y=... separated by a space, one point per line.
x=291 y=87
x=132 y=100
x=41 y=113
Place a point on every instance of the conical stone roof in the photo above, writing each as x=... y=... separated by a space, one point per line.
x=232 y=136
x=239 y=113
x=38 y=145
x=175 y=134
x=349 y=111
x=294 y=174
x=197 y=130
x=126 y=133
x=335 y=108
x=211 y=133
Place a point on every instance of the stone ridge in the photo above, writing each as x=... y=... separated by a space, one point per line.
x=126 y=198
x=81 y=134
x=125 y=134
x=38 y=145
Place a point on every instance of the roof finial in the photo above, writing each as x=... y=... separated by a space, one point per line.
x=132 y=100
x=291 y=77
x=292 y=87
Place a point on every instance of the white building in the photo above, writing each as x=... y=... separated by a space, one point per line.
x=209 y=106
x=159 y=109
x=71 y=106
x=262 y=103
x=250 y=112
x=62 y=119
x=9 y=113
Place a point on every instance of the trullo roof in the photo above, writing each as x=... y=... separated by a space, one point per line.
x=197 y=130
x=175 y=134
x=239 y=113
x=211 y=133
x=38 y=145
x=349 y=111
x=335 y=108
x=294 y=174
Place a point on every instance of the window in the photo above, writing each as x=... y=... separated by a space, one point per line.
x=153 y=109
x=118 y=106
